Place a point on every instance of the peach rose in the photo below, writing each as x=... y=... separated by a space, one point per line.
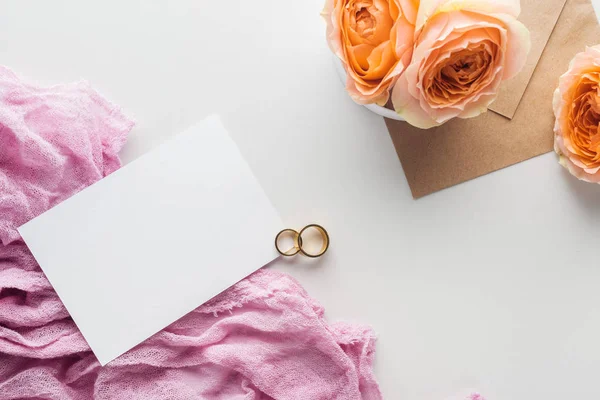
x=374 y=40
x=464 y=49
x=577 y=111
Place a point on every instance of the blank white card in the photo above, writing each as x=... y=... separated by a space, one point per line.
x=141 y=248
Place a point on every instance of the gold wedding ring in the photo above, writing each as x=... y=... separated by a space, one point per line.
x=298 y=241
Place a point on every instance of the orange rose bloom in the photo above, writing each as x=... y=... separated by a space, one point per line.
x=577 y=111
x=374 y=39
x=464 y=50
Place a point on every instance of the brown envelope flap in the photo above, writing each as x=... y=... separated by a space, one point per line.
x=540 y=17
x=464 y=149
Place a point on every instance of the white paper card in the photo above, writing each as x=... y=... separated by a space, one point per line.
x=141 y=248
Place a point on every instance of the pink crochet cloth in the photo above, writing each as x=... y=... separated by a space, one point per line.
x=264 y=338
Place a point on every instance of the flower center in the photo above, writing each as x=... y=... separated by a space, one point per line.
x=365 y=22
x=585 y=121
x=462 y=74
x=465 y=67
x=594 y=101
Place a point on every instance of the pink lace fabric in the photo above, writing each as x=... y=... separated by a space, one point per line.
x=264 y=338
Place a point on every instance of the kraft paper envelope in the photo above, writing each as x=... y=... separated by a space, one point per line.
x=520 y=123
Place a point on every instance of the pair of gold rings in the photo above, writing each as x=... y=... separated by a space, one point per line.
x=298 y=242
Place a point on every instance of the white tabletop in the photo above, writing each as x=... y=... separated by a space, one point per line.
x=492 y=284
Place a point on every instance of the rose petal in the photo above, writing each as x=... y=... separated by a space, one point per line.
x=430 y=8
x=408 y=106
x=409 y=9
x=518 y=45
